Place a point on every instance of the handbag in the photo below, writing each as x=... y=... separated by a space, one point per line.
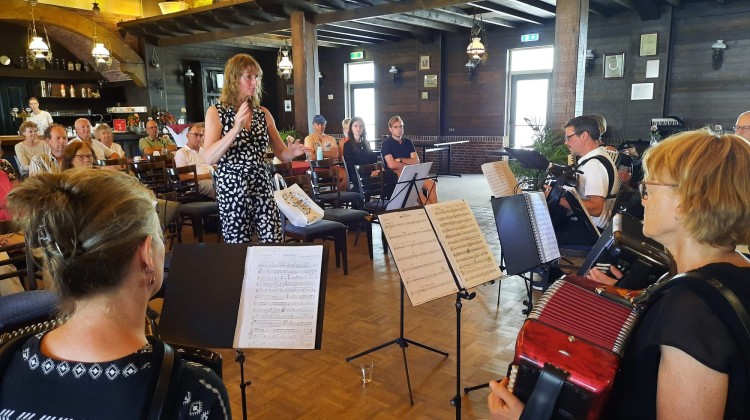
x=297 y=206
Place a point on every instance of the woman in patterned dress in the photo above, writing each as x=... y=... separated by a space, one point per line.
x=238 y=131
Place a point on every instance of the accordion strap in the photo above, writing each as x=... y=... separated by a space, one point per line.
x=541 y=403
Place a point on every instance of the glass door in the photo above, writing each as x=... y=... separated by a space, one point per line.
x=528 y=108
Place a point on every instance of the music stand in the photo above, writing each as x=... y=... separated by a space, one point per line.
x=405 y=192
x=201 y=308
x=408 y=186
x=529 y=158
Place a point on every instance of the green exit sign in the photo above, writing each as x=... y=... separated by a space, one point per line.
x=529 y=37
x=356 y=55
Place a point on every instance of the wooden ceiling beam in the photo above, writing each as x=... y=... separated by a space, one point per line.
x=372 y=29
x=257 y=29
x=538 y=4
x=330 y=29
x=415 y=30
x=411 y=20
x=382 y=9
x=463 y=14
x=628 y=4
x=497 y=8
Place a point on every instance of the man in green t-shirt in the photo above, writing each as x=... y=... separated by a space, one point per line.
x=153 y=143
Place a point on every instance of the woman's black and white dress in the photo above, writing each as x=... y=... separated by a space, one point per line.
x=243 y=183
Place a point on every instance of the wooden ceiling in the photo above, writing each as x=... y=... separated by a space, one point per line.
x=265 y=24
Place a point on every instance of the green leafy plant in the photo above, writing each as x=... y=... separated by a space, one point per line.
x=288 y=132
x=547 y=141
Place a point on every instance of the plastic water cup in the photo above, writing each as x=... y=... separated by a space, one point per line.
x=366 y=369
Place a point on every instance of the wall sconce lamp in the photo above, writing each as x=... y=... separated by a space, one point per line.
x=189 y=76
x=590 y=57
x=718 y=56
x=394 y=74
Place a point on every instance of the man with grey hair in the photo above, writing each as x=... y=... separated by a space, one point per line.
x=742 y=126
x=83 y=133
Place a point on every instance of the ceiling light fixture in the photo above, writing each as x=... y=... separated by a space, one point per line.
x=284 y=64
x=476 y=50
x=38 y=49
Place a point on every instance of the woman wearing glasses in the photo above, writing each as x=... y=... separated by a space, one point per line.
x=77 y=155
x=682 y=360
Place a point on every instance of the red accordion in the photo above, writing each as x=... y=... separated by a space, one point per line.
x=580 y=335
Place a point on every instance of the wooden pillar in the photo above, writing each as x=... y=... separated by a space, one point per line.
x=571 y=31
x=305 y=73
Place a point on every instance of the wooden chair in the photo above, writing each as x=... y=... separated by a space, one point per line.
x=119 y=164
x=284 y=169
x=152 y=174
x=371 y=193
x=195 y=207
x=18 y=259
x=325 y=182
x=322 y=229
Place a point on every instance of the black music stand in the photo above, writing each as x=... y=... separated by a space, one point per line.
x=401 y=340
x=530 y=159
x=200 y=305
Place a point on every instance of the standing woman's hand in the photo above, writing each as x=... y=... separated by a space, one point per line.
x=244 y=117
x=298 y=149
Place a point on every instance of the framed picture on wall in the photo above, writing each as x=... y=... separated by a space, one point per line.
x=649 y=43
x=424 y=62
x=614 y=65
x=430 y=81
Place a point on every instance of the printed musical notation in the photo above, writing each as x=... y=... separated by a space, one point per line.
x=544 y=232
x=501 y=179
x=464 y=244
x=279 y=300
x=420 y=261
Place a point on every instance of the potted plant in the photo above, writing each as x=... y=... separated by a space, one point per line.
x=551 y=144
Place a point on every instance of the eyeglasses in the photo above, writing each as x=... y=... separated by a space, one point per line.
x=644 y=191
x=567 y=138
x=197 y=134
x=84 y=157
x=741 y=128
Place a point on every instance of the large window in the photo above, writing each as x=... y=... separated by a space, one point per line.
x=360 y=88
x=528 y=103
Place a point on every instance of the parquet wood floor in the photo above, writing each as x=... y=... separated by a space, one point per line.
x=362 y=311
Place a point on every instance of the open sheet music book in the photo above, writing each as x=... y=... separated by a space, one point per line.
x=415 y=237
x=500 y=177
x=264 y=296
x=525 y=229
x=279 y=301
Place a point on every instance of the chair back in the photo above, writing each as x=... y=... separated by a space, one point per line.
x=303 y=181
x=152 y=174
x=370 y=187
x=17 y=258
x=322 y=163
x=325 y=185
x=284 y=169
x=120 y=163
x=184 y=181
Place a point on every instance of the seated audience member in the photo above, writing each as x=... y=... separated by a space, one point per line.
x=30 y=146
x=357 y=150
x=398 y=152
x=345 y=129
x=56 y=137
x=319 y=138
x=683 y=361
x=77 y=155
x=99 y=364
x=742 y=126
x=597 y=181
x=83 y=133
x=191 y=154
x=104 y=134
x=153 y=143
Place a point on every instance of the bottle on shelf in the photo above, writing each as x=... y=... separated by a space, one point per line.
x=78 y=65
x=83 y=92
x=62 y=90
x=71 y=66
x=72 y=91
x=49 y=90
x=43 y=85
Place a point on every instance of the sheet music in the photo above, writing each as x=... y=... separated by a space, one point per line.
x=544 y=231
x=279 y=299
x=420 y=261
x=500 y=177
x=580 y=202
x=467 y=250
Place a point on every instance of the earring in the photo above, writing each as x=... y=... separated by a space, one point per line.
x=152 y=280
